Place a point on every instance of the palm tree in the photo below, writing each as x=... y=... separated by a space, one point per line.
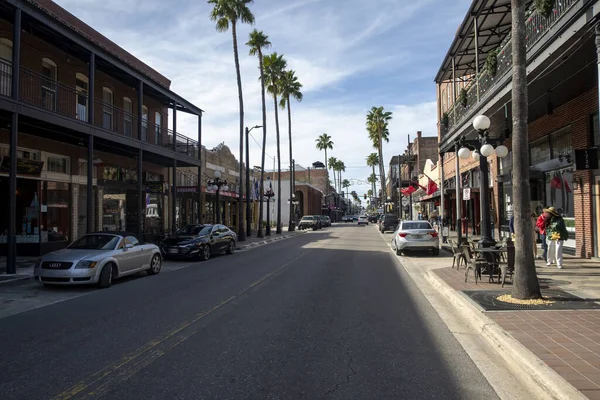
x=225 y=13
x=259 y=41
x=290 y=88
x=341 y=167
x=526 y=285
x=324 y=143
x=372 y=161
x=274 y=66
x=377 y=126
x=346 y=184
x=333 y=162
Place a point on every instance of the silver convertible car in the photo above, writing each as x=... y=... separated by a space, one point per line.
x=98 y=258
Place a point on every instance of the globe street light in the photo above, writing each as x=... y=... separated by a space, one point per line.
x=268 y=194
x=216 y=184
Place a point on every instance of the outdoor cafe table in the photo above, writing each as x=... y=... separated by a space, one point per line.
x=493 y=251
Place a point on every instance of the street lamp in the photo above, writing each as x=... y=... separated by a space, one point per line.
x=216 y=184
x=483 y=150
x=268 y=194
x=248 y=215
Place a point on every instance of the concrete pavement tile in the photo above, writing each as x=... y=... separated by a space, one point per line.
x=592 y=394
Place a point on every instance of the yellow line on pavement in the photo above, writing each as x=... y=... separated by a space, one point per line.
x=146 y=354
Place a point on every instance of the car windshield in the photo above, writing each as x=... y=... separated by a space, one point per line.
x=307 y=218
x=96 y=242
x=416 y=225
x=193 y=230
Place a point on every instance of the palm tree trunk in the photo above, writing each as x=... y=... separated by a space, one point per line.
x=381 y=171
x=264 y=145
x=526 y=285
x=240 y=222
x=278 y=229
x=373 y=183
x=334 y=177
x=289 y=110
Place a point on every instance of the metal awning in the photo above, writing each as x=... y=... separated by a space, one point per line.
x=494 y=24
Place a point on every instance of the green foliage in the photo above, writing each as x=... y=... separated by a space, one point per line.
x=491 y=62
x=463 y=97
x=544 y=7
x=445 y=120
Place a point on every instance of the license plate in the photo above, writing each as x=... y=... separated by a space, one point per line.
x=417 y=236
x=172 y=251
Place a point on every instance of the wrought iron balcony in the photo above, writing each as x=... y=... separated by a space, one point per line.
x=72 y=102
x=536 y=26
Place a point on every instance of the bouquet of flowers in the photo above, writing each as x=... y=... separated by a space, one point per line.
x=555 y=236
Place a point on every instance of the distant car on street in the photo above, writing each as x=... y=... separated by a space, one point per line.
x=98 y=258
x=310 y=222
x=362 y=220
x=415 y=235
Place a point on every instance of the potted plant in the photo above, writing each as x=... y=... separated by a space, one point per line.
x=445 y=120
x=544 y=7
x=491 y=62
x=463 y=97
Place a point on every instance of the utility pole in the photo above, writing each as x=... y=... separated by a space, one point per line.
x=410 y=205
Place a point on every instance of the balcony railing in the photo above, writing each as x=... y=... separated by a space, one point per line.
x=535 y=27
x=46 y=93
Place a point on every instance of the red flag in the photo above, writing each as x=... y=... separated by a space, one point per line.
x=432 y=187
x=410 y=190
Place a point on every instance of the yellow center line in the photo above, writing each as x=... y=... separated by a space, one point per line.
x=109 y=370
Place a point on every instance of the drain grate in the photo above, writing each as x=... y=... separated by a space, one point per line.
x=486 y=299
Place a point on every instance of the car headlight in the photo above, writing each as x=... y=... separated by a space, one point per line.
x=84 y=264
x=38 y=263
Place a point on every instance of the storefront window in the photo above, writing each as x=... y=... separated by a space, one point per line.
x=28 y=210
x=113 y=210
x=154 y=208
x=55 y=212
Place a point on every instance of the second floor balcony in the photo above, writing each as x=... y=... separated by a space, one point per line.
x=47 y=93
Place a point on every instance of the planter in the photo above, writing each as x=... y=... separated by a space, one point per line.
x=544 y=7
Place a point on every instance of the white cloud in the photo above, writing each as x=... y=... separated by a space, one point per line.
x=347 y=55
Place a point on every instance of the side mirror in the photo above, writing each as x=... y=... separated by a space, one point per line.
x=128 y=246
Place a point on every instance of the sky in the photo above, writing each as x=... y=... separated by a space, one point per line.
x=349 y=55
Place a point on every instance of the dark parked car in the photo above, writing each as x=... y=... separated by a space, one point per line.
x=199 y=242
x=310 y=222
x=373 y=218
x=389 y=222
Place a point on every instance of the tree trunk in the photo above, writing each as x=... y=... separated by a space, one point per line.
x=334 y=177
x=264 y=145
x=278 y=229
x=381 y=172
x=373 y=183
x=289 y=110
x=240 y=222
x=525 y=285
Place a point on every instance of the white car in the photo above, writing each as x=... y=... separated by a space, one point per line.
x=415 y=235
x=363 y=220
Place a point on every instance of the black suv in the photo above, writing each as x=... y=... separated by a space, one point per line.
x=389 y=222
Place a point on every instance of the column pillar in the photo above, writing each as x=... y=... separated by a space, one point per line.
x=442 y=200
x=140 y=110
x=91 y=87
x=74 y=211
x=11 y=254
x=141 y=197
x=484 y=200
x=458 y=194
x=453 y=90
x=90 y=185
x=476 y=31
x=200 y=197
x=174 y=198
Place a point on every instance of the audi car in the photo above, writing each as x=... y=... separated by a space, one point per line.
x=199 y=242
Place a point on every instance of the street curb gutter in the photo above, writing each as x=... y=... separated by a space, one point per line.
x=16 y=280
x=535 y=372
x=266 y=241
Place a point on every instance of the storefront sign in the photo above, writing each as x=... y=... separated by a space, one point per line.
x=154 y=187
x=467 y=194
x=586 y=159
x=24 y=166
x=187 y=189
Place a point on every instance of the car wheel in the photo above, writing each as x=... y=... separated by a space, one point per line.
x=398 y=252
x=230 y=247
x=155 y=265
x=106 y=276
x=205 y=252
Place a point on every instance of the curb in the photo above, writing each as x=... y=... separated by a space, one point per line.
x=537 y=374
x=16 y=280
x=266 y=241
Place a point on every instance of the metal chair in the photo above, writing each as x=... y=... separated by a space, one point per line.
x=457 y=254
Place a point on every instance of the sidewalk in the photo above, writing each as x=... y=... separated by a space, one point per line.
x=558 y=348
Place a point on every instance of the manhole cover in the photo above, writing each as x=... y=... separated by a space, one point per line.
x=486 y=299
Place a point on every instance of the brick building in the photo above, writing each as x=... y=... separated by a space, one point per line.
x=563 y=115
x=84 y=137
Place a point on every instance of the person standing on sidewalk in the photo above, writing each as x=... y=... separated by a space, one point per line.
x=556 y=232
x=540 y=227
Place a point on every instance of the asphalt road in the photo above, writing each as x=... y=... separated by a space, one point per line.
x=329 y=314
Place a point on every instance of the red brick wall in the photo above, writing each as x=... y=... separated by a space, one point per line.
x=33 y=50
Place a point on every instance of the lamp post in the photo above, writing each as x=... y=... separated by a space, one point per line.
x=248 y=216
x=216 y=184
x=268 y=194
x=482 y=150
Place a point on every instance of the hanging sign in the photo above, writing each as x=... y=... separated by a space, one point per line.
x=467 y=194
x=586 y=159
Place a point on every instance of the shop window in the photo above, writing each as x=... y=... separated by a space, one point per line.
x=157 y=128
x=57 y=164
x=83 y=169
x=113 y=210
x=539 y=151
x=49 y=76
x=595 y=127
x=6 y=50
x=107 y=108
x=56 y=218
x=560 y=142
x=127 y=117
x=111 y=173
x=27 y=210
x=82 y=87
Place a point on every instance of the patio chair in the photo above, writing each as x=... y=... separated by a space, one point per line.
x=473 y=263
x=457 y=254
x=508 y=267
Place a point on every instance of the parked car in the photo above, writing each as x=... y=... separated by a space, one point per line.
x=326 y=221
x=415 y=235
x=373 y=218
x=389 y=222
x=199 y=242
x=347 y=218
x=98 y=258
x=362 y=220
x=310 y=222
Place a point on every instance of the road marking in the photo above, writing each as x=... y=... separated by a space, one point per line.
x=99 y=383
